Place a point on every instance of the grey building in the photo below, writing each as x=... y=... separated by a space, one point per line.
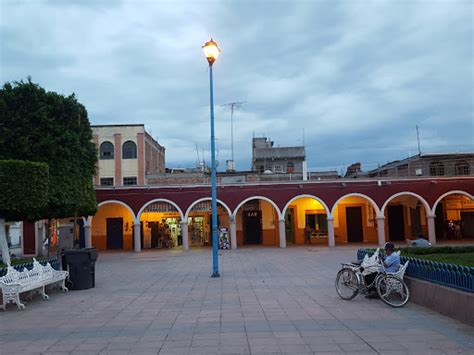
x=267 y=158
x=438 y=164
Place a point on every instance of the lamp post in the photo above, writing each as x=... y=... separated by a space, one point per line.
x=211 y=51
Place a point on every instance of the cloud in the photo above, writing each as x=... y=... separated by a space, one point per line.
x=356 y=76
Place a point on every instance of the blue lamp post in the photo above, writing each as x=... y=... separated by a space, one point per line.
x=211 y=51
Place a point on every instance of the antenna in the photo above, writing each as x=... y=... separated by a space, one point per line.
x=418 y=139
x=232 y=106
x=198 y=159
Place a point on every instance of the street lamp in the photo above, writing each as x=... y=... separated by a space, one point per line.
x=211 y=51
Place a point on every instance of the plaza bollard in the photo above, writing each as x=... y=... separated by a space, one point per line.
x=81 y=267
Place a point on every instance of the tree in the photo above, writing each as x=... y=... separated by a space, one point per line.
x=41 y=126
x=24 y=192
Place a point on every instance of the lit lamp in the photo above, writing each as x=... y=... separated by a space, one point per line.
x=211 y=52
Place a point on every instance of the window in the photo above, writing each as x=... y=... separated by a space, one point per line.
x=436 y=168
x=290 y=167
x=106 y=181
x=278 y=168
x=402 y=167
x=318 y=222
x=462 y=168
x=106 y=151
x=129 y=150
x=132 y=180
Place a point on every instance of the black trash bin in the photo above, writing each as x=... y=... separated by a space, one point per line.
x=81 y=266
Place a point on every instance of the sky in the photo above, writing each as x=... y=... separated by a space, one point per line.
x=348 y=79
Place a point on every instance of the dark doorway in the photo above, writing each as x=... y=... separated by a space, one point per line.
x=155 y=234
x=290 y=225
x=114 y=233
x=355 y=232
x=415 y=217
x=396 y=223
x=252 y=221
x=467 y=224
x=440 y=224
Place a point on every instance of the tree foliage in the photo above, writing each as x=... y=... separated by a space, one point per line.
x=41 y=126
x=24 y=189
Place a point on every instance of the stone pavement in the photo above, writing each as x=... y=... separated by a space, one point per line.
x=268 y=300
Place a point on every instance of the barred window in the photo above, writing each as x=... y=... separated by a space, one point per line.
x=462 y=168
x=436 y=168
x=107 y=181
x=129 y=150
x=106 y=151
x=131 y=180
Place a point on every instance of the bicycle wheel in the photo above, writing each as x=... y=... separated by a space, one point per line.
x=393 y=291
x=347 y=284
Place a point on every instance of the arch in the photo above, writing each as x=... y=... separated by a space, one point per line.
x=372 y=202
x=452 y=192
x=129 y=150
x=326 y=208
x=112 y=202
x=257 y=198
x=160 y=200
x=421 y=199
x=106 y=151
x=206 y=199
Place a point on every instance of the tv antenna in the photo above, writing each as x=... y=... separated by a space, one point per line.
x=232 y=106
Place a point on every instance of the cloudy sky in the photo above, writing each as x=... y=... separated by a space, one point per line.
x=357 y=76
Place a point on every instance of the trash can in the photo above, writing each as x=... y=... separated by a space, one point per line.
x=81 y=267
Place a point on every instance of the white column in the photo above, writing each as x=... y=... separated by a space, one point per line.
x=39 y=237
x=381 y=230
x=282 y=230
x=137 y=231
x=184 y=233
x=431 y=229
x=87 y=236
x=233 y=234
x=331 y=239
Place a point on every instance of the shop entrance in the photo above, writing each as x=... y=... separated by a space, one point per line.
x=396 y=224
x=252 y=221
x=467 y=223
x=354 y=224
x=290 y=225
x=161 y=226
x=114 y=233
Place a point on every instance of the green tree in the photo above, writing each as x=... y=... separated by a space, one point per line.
x=24 y=193
x=41 y=126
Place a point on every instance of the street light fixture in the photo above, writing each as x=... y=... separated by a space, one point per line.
x=211 y=52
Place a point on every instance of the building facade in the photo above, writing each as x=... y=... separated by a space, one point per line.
x=269 y=159
x=126 y=155
x=441 y=164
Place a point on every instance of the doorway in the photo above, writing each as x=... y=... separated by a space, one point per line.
x=252 y=221
x=396 y=223
x=290 y=225
x=467 y=223
x=355 y=232
x=114 y=233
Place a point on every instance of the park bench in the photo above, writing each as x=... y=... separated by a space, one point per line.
x=16 y=282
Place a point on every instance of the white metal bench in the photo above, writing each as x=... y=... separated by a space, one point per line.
x=16 y=282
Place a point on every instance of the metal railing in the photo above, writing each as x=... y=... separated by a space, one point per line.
x=451 y=275
x=54 y=261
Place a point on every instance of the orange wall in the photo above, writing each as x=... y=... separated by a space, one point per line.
x=99 y=225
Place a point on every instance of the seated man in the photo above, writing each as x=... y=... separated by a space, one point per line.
x=391 y=263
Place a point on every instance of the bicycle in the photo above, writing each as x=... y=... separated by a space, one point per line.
x=390 y=287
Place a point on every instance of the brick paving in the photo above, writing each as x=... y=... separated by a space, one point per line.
x=268 y=300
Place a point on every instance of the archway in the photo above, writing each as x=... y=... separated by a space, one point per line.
x=355 y=219
x=257 y=220
x=160 y=225
x=454 y=219
x=112 y=226
x=405 y=216
x=306 y=220
x=199 y=219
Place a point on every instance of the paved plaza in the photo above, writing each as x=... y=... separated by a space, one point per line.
x=268 y=300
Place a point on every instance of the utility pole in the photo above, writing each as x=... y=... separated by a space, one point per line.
x=232 y=106
x=418 y=139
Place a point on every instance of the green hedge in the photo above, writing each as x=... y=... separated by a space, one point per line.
x=407 y=251
x=23 y=189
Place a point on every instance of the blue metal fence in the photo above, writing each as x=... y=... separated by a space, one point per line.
x=451 y=275
x=54 y=261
